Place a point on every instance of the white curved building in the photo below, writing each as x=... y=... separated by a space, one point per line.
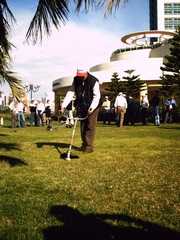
x=141 y=56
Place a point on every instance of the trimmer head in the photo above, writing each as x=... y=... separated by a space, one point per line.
x=67 y=157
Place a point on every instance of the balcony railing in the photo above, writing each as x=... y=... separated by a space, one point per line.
x=152 y=46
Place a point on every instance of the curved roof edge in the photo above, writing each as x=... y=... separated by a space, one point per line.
x=132 y=38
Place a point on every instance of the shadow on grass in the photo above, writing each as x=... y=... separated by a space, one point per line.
x=76 y=226
x=12 y=161
x=171 y=127
x=10 y=146
x=58 y=146
x=3 y=135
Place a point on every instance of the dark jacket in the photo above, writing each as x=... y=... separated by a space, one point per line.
x=155 y=101
x=84 y=93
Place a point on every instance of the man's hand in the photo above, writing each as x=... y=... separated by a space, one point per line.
x=90 y=111
x=62 y=110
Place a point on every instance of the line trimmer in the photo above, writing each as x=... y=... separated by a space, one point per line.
x=76 y=119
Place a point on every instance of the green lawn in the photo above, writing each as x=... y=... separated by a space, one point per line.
x=128 y=189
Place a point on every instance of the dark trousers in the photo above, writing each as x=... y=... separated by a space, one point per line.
x=88 y=130
x=33 y=118
x=40 y=118
x=106 y=116
x=144 y=116
x=169 y=114
x=130 y=117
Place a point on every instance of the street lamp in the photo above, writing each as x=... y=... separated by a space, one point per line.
x=31 y=88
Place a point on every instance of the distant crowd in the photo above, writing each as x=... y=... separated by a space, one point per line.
x=39 y=112
x=123 y=111
x=126 y=111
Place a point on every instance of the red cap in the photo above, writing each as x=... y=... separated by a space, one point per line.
x=81 y=73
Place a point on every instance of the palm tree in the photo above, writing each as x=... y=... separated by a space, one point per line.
x=6 y=75
x=49 y=12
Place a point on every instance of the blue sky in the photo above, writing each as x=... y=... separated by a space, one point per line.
x=86 y=38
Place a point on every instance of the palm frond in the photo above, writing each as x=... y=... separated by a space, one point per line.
x=86 y=3
x=6 y=17
x=48 y=11
x=56 y=12
x=111 y=5
x=15 y=83
x=8 y=76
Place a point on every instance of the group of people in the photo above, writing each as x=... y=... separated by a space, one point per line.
x=37 y=110
x=17 y=109
x=170 y=105
x=126 y=111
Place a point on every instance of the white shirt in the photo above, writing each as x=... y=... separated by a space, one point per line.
x=20 y=107
x=106 y=105
x=71 y=92
x=13 y=106
x=40 y=107
x=120 y=102
x=144 y=103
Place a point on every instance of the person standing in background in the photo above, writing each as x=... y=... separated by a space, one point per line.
x=144 y=110
x=120 y=108
x=131 y=111
x=13 y=108
x=69 y=113
x=170 y=106
x=48 y=112
x=33 y=116
x=155 y=107
x=20 y=114
x=40 y=111
x=106 y=110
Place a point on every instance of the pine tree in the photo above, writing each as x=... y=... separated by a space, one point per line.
x=171 y=69
x=115 y=86
x=133 y=84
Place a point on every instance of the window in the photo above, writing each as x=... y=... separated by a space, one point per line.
x=171 y=23
x=168 y=12
x=171 y=8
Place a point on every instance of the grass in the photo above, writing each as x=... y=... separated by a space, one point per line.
x=127 y=189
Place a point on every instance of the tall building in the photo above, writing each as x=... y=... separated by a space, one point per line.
x=153 y=14
x=164 y=14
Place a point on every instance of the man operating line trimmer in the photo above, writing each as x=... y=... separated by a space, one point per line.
x=87 y=91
